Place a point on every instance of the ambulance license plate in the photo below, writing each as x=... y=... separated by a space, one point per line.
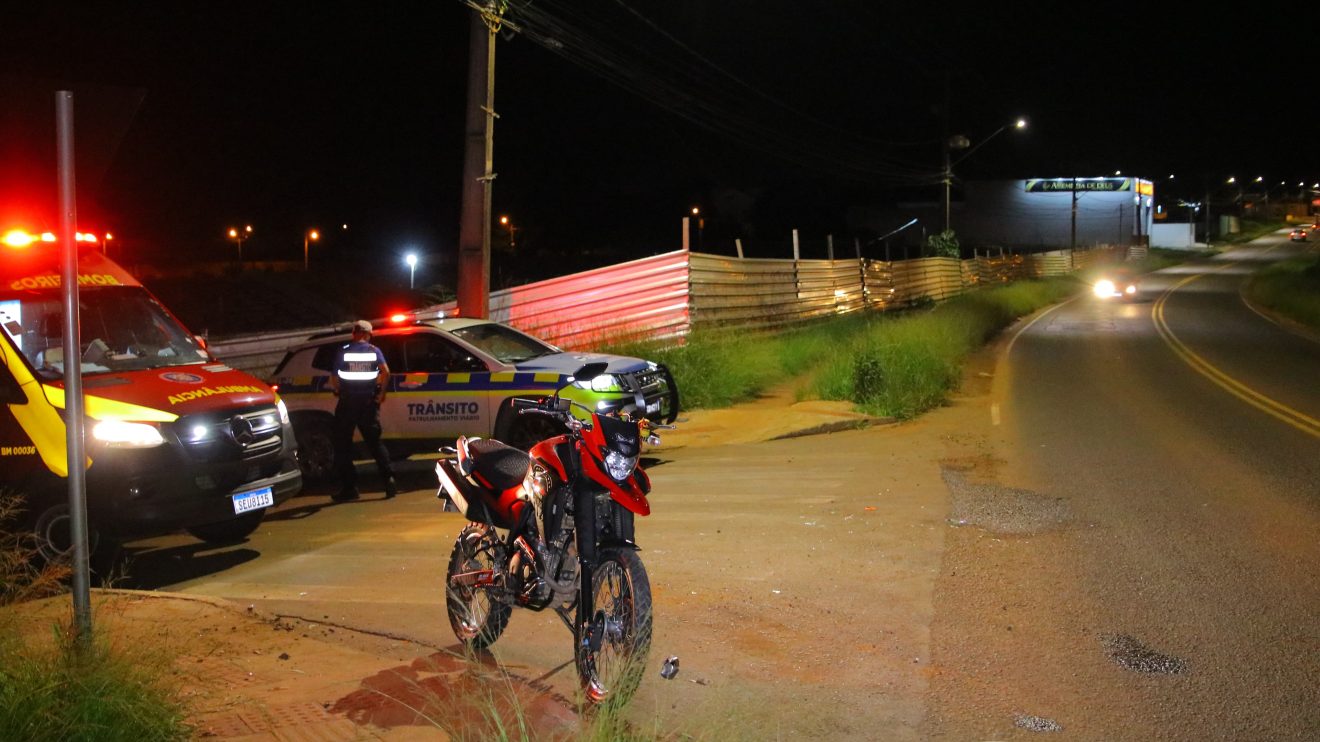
x=262 y=498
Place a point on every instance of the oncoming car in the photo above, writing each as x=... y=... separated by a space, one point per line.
x=1117 y=283
x=457 y=376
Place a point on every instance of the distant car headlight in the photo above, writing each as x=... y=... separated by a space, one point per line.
x=124 y=434
x=1131 y=289
x=602 y=383
x=1104 y=288
x=618 y=466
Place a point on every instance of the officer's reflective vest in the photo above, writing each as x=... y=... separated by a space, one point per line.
x=357 y=370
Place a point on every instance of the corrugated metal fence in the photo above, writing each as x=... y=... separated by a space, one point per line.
x=663 y=297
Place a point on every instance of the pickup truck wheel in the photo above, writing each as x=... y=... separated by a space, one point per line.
x=229 y=531
x=530 y=430
x=316 y=450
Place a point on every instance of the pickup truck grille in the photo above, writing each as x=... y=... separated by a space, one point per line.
x=658 y=388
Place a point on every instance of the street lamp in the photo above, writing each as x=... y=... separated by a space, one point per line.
x=959 y=141
x=504 y=221
x=238 y=235
x=411 y=260
x=310 y=235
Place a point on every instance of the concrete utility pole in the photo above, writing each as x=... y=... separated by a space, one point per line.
x=478 y=172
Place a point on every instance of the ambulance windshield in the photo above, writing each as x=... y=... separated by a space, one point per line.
x=122 y=329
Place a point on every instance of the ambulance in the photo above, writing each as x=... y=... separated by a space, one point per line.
x=174 y=438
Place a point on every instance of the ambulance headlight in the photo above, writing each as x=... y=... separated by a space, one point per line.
x=284 y=411
x=125 y=434
x=602 y=383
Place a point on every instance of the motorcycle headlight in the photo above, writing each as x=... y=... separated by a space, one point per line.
x=618 y=466
x=124 y=434
x=1104 y=288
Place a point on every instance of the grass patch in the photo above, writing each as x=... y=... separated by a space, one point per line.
x=1291 y=288
x=54 y=689
x=57 y=690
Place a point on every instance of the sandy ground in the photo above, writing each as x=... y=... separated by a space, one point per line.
x=809 y=612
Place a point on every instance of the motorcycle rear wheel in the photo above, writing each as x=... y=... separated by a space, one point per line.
x=621 y=611
x=476 y=617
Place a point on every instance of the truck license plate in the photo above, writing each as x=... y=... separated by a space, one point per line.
x=262 y=498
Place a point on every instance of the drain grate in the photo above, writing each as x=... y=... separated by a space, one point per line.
x=1130 y=654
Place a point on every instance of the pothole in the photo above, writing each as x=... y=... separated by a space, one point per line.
x=1130 y=654
x=1036 y=723
x=1000 y=509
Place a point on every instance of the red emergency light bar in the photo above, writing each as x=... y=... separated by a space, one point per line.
x=20 y=238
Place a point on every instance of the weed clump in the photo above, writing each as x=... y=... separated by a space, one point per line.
x=60 y=688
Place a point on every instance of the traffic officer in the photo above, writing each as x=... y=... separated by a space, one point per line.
x=359 y=378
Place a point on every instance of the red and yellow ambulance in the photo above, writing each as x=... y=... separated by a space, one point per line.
x=174 y=438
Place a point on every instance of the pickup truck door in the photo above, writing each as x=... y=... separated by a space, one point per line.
x=439 y=390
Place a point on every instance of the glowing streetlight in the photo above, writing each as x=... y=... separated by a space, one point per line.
x=411 y=260
x=959 y=142
x=238 y=235
x=504 y=222
x=310 y=235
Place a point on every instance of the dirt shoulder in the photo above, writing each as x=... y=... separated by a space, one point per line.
x=827 y=636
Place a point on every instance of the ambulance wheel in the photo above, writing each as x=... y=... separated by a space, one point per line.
x=52 y=541
x=229 y=531
x=530 y=430
x=316 y=450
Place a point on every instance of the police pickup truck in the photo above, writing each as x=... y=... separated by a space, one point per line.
x=456 y=376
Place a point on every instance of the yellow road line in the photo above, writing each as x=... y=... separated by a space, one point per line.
x=1269 y=406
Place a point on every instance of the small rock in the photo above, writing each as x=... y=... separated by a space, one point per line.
x=670 y=668
x=284 y=655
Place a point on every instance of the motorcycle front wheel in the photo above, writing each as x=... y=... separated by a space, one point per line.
x=476 y=617
x=611 y=649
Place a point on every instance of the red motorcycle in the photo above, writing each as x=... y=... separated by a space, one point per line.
x=553 y=527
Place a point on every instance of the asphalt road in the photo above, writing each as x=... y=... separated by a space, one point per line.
x=1141 y=553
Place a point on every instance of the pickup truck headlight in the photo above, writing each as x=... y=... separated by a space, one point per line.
x=602 y=383
x=125 y=434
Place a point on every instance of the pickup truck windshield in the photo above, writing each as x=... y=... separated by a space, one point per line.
x=506 y=344
x=122 y=329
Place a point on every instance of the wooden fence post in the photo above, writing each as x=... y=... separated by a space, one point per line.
x=738 y=244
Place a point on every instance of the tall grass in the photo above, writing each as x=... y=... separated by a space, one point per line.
x=892 y=364
x=1291 y=288
x=906 y=365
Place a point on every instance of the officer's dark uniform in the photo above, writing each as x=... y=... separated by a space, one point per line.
x=359 y=375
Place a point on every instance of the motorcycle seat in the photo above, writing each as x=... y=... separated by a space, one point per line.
x=496 y=465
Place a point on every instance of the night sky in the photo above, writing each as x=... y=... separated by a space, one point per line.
x=769 y=115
